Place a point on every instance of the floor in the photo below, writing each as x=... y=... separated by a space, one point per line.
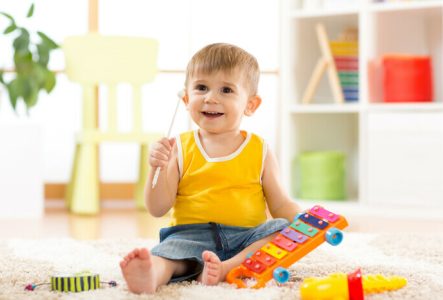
x=122 y=220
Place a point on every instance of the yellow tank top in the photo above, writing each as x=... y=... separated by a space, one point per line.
x=225 y=190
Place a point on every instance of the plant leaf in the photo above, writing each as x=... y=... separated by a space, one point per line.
x=43 y=54
x=47 y=41
x=8 y=16
x=50 y=81
x=30 y=60
x=38 y=72
x=32 y=91
x=23 y=62
x=10 y=28
x=30 y=11
x=21 y=43
x=46 y=78
x=14 y=91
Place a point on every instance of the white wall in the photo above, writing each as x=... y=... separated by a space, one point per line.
x=182 y=27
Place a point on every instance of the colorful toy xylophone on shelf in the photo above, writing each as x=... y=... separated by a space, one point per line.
x=308 y=230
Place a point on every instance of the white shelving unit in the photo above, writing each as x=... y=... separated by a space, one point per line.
x=394 y=151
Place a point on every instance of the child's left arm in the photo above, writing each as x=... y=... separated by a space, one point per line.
x=279 y=203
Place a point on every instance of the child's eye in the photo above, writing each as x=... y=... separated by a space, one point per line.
x=226 y=90
x=201 y=87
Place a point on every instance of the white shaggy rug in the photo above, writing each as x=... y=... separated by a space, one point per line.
x=419 y=258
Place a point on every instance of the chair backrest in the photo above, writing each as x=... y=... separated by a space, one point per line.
x=95 y=59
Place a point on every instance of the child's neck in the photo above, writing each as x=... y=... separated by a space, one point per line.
x=221 y=144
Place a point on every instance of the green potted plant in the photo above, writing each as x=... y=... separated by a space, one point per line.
x=31 y=57
x=21 y=151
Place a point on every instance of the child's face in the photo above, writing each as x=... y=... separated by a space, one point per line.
x=218 y=101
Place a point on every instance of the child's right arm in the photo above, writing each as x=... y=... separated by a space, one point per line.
x=161 y=198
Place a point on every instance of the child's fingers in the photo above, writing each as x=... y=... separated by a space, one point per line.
x=160 y=152
x=157 y=163
x=162 y=146
x=172 y=142
x=160 y=155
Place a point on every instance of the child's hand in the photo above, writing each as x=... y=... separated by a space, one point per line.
x=161 y=152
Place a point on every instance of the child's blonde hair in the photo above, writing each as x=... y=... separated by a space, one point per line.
x=225 y=57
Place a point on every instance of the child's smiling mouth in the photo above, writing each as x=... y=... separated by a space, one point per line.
x=212 y=114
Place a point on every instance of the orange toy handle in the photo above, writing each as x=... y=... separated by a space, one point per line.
x=236 y=276
x=240 y=273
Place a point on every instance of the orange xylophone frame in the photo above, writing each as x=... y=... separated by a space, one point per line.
x=308 y=231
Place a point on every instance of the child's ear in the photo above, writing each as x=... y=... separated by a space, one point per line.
x=185 y=98
x=253 y=103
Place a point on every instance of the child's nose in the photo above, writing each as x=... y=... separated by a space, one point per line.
x=211 y=98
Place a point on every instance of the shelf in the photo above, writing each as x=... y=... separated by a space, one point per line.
x=325 y=108
x=405 y=5
x=318 y=131
x=309 y=53
x=409 y=107
x=412 y=32
x=334 y=108
x=372 y=7
x=393 y=150
x=306 y=14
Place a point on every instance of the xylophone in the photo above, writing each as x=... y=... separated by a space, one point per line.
x=308 y=230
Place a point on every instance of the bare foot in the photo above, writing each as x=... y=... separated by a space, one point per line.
x=138 y=272
x=213 y=269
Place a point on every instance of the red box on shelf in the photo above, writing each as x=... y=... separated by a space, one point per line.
x=407 y=78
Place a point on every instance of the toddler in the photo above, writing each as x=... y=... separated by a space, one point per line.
x=218 y=180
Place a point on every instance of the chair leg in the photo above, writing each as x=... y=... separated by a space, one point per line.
x=139 y=192
x=85 y=182
x=70 y=186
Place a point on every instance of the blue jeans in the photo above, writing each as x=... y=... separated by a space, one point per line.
x=187 y=242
